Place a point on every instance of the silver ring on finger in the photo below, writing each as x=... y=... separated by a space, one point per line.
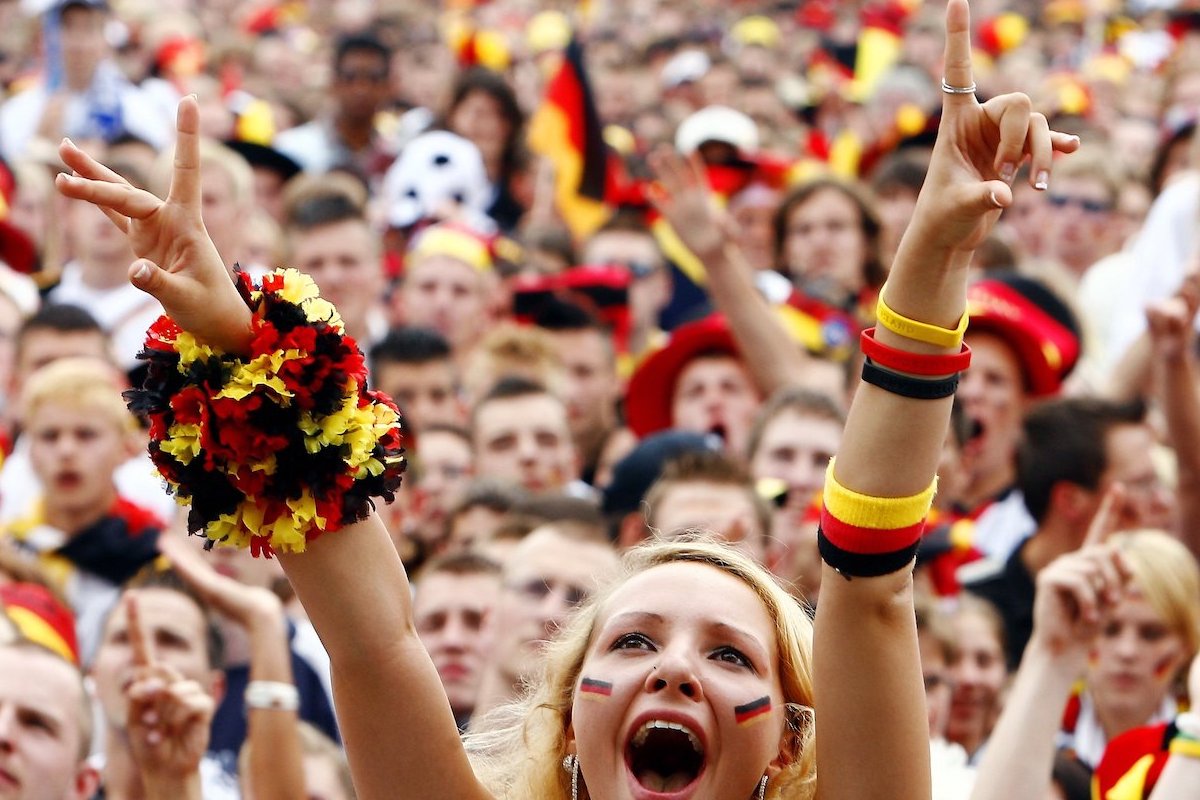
x=948 y=89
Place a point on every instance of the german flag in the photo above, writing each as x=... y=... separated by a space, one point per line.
x=566 y=129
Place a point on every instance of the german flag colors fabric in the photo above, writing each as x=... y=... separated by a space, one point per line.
x=864 y=536
x=566 y=129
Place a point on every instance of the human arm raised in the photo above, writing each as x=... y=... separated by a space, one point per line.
x=169 y=719
x=1073 y=594
x=866 y=663
x=1172 y=337
x=400 y=735
x=275 y=762
x=774 y=359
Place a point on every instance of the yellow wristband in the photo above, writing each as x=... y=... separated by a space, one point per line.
x=919 y=331
x=883 y=513
x=1185 y=746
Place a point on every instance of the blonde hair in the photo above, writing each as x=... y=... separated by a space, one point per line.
x=518 y=749
x=510 y=349
x=83 y=383
x=1166 y=574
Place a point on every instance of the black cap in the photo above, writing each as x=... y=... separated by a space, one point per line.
x=636 y=473
x=260 y=155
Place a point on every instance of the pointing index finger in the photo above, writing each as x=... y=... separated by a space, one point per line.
x=143 y=650
x=1105 y=521
x=956 y=69
x=185 y=179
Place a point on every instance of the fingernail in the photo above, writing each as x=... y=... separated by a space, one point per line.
x=1008 y=171
x=150 y=717
x=153 y=737
x=995 y=200
x=1043 y=180
x=67 y=139
x=142 y=271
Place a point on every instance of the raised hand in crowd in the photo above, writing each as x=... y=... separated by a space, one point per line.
x=275 y=763
x=637 y=652
x=169 y=719
x=177 y=260
x=683 y=198
x=1170 y=325
x=1074 y=595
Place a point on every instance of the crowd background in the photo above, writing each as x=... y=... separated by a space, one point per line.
x=472 y=185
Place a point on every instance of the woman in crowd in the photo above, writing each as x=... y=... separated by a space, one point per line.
x=827 y=240
x=643 y=696
x=978 y=674
x=1125 y=613
x=483 y=109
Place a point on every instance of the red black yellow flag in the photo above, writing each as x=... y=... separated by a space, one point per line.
x=566 y=129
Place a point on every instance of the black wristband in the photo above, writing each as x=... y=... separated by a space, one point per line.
x=864 y=565
x=907 y=385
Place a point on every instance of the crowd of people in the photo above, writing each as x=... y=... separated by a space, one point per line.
x=620 y=267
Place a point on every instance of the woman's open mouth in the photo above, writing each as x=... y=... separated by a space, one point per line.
x=665 y=758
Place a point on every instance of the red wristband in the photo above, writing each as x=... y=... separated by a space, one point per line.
x=868 y=541
x=913 y=363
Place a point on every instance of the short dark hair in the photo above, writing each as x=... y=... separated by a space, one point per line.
x=321 y=209
x=467 y=562
x=509 y=387
x=58 y=318
x=410 y=345
x=61 y=317
x=705 y=466
x=898 y=173
x=793 y=398
x=557 y=314
x=360 y=41
x=1066 y=440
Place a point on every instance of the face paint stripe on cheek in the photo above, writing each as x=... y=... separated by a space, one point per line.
x=590 y=687
x=1163 y=667
x=753 y=711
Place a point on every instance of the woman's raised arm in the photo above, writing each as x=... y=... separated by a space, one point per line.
x=873 y=740
x=400 y=735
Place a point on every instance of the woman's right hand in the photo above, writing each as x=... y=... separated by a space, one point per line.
x=177 y=261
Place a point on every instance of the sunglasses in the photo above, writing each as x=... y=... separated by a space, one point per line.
x=1089 y=206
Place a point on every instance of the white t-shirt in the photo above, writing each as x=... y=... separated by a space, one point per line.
x=124 y=311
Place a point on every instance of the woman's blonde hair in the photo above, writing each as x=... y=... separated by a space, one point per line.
x=518 y=749
x=1166 y=574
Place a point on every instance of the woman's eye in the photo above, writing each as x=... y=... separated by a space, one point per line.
x=731 y=655
x=633 y=641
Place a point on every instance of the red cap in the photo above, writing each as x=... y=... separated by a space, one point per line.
x=41 y=618
x=1036 y=324
x=16 y=247
x=651 y=395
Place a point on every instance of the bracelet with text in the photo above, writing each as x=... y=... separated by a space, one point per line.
x=916 y=330
x=907 y=385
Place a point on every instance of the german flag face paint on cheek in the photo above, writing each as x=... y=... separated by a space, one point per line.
x=752 y=712
x=598 y=690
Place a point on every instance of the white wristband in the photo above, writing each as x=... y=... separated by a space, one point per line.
x=1188 y=723
x=272 y=695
